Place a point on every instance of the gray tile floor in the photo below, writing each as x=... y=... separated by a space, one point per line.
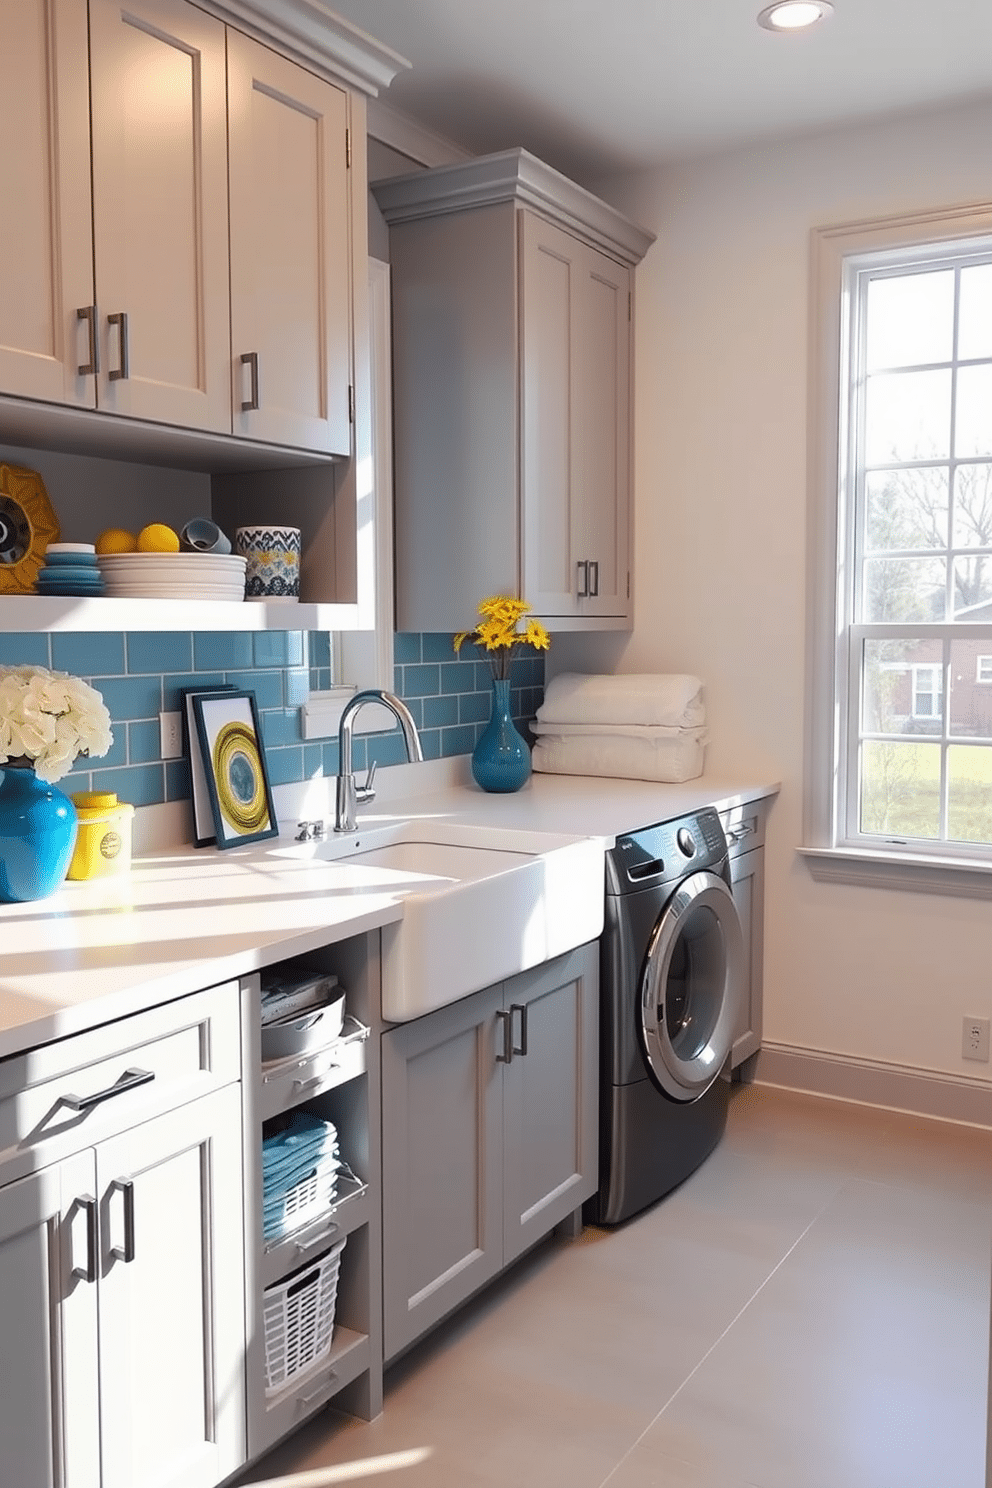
x=809 y=1310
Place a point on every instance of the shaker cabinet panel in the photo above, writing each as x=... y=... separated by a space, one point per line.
x=46 y=257
x=548 y=413
x=160 y=212
x=551 y=1097
x=601 y=510
x=441 y=1165
x=290 y=270
x=49 y=1405
x=172 y=1298
x=489 y=1135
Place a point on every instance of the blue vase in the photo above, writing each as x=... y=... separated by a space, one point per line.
x=501 y=759
x=37 y=835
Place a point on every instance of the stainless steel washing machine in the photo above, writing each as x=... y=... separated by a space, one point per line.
x=671 y=978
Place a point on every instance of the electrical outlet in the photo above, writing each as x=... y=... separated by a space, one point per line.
x=975 y=1039
x=171 y=735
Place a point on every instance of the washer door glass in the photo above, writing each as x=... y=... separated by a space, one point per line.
x=691 y=987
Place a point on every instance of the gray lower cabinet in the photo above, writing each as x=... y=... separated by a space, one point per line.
x=745 y=830
x=489 y=1135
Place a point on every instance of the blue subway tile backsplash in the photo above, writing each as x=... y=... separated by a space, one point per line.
x=143 y=673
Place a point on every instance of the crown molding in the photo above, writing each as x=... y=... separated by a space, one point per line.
x=518 y=176
x=313 y=33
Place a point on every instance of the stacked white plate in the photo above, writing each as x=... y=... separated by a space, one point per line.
x=173 y=575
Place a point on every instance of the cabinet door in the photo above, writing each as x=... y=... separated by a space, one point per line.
x=575 y=424
x=290 y=269
x=441 y=1164
x=49 y=1403
x=46 y=246
x=551 y=1096
x=549 y=275
x=160 y=212
x=172 y=1301
x=747 y=877
x=601 y=448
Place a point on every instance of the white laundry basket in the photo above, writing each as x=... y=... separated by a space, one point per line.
x=299 y=1319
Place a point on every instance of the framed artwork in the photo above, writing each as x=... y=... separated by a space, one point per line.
x=234 y=766
x=203 y=814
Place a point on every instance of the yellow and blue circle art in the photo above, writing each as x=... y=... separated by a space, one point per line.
x=239 y=777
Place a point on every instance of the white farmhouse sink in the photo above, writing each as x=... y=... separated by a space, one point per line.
x=479 y=904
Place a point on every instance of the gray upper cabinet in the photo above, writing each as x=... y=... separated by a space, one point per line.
x=512 y=319
x=488 y=1137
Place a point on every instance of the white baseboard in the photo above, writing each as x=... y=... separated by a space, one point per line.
x=866 y=1082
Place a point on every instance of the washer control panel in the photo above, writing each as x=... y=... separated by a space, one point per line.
x=662 y=853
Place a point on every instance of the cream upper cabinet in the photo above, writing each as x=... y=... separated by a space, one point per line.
x=46 y=248
x=290 y=269
x=160 y=212
x=512 y=303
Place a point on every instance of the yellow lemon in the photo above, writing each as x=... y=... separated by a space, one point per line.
x=116 y=540
x=157 y=538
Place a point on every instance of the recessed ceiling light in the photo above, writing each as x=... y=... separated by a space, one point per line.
x=794 y=15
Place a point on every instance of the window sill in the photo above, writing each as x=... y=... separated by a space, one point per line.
x=873 y=869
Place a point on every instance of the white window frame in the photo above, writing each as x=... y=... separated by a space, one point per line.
x=983 y=670
x=832 y=849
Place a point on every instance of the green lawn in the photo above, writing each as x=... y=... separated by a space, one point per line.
x=900 y=794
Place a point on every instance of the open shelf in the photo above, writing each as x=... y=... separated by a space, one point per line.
x=35 y=612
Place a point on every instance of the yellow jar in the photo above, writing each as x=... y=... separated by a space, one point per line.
x=103 y=841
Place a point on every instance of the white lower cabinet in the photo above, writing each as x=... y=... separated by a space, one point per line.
x=122 y=1258
x=489 y=1135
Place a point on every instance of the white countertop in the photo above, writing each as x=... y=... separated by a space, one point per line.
x=187 y=918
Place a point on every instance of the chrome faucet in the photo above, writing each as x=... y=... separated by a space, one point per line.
x=349 y=795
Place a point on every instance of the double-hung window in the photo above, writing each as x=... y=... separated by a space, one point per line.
x=901 y=542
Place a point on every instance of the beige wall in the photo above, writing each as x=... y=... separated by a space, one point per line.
x=720 y=571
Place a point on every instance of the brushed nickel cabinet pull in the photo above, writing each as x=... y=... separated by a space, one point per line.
x=129 y=1080
x=593 y=578
x=88 y=1272
x=90 y=368
x=120 y=321
x=125 y=1252
x=582 y=582
x=249 y=359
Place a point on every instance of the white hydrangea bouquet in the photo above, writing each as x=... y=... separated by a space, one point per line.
x=48 y=718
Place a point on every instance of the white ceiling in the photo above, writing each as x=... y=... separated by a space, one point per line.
x=598 y=86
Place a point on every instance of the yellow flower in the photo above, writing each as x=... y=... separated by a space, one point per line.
x=498 y=633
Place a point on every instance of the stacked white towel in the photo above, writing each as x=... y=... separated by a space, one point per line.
x=644 y=726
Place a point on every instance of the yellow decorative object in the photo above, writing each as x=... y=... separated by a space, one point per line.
x=27 y=525
x=157 y=538
x=498 y=636
x=103 y=841
x=116 y=540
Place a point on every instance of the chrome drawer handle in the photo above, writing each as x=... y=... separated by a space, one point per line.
x=129 y=1080
x=125 y=1252
x=88 y=1205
